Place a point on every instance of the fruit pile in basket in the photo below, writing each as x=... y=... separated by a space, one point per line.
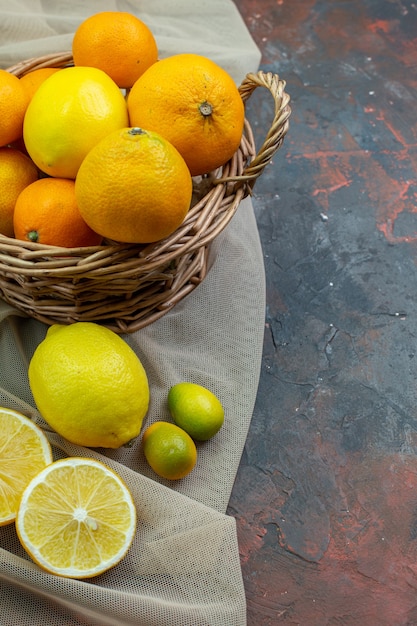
x=107 y=148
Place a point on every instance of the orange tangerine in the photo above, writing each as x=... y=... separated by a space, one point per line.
x=17 y=171
x=134 y=187
x=46 y=212
x=195 y=104
x=13 y=104
x=116 y=42
x=32 y=80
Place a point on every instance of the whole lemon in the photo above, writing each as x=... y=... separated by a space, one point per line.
x=89 y=385
x=71 y=111
x=195 y=409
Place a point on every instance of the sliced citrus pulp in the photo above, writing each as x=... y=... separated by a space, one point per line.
x=24 y=451
x=76 y=518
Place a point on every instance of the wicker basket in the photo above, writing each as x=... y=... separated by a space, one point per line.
x=128 y=286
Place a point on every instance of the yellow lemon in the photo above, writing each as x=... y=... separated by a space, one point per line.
x=25 y=451
x=71 y=111
x=89 y=385
x=169 y=450
x=76 y=518
x=195 y=409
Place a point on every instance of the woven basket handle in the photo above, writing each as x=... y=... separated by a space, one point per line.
x=277 y=131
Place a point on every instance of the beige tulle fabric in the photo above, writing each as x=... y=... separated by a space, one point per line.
x=183 y=568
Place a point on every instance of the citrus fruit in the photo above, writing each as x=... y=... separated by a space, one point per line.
x=76 y=518
x=116 y=42
x=46 y=212
x=134 y=187
x=89 y=385
x=195 y=409
x=17 y=171
x=24 y=451
x=195 y=104
x=169 y=450
x=32 y=80
x=69 y=113
x=13 y=104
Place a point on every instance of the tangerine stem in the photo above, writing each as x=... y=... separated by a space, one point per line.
x=33 y=235
x=206 y=109
x=136 y=131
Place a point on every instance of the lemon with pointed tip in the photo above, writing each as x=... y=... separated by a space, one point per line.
x=89 y=385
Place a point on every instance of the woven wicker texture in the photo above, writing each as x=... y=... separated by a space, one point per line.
x=127 y=286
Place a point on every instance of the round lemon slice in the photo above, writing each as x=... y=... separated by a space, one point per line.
x=24 y=451
x=76 y=518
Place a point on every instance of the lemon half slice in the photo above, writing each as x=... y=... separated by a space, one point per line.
x=24 y=451
x=76 y=518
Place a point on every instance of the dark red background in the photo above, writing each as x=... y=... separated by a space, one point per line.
x=326 y=495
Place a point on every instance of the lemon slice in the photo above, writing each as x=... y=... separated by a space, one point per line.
x=24 y=451
x=76 y=518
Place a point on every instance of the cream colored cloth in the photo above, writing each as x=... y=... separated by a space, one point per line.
x=35 y=27
x=183 y=568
